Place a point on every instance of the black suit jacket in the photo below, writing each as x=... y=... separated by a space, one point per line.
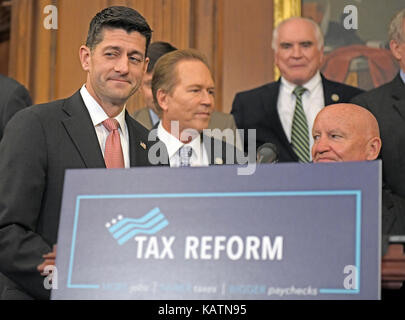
x=39 y=144
x=13 y=98
x=393 y=216
x=257 y=109
x=387 y=103
x=219 y=152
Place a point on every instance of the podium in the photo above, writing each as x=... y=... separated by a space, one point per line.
x=287 y=231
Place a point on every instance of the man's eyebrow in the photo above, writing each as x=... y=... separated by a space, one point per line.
x=119 y=49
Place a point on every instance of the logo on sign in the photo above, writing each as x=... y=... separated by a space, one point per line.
x=124 y=229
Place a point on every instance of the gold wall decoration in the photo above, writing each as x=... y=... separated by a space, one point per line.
x=284 y=9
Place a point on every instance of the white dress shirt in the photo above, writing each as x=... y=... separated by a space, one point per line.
x=199 y=157
x=312 y=101
x=98 y=115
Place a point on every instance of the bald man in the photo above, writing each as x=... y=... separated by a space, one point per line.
x=345 y=132
x=348 y=132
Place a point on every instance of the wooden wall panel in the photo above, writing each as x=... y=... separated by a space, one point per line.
x=235 y=35
x=74 y=19
x=247 y=53
x=22 y=27
x=4 y=56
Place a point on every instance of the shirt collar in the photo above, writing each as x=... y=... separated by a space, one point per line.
x=173 y=144
x=309 y=85
x=153 y=116
x=97 y=113
x=402 y=73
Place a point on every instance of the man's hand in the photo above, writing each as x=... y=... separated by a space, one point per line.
x=49 y=261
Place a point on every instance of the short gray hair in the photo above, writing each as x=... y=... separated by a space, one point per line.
x=317 y=30
x=396 y=31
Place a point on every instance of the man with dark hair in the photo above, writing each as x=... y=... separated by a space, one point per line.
x=149 y=116
x=13 y=98
x=282 y=112
x=91 y=129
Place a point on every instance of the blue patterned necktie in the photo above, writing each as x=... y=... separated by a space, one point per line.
x=185 y=153
x=299 y=130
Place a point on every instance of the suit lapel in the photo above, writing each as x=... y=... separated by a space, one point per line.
x=398 y=96
x=269 y=102
x=138 y=149
x=330 y=95
x=81 y=130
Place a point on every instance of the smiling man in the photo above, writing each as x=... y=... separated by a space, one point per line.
x=91 y=129
x=348 y=132
x=183 y=90
x=283 y=112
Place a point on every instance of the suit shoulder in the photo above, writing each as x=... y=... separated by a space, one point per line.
x=375 y=92
x=375 y=97
x=8 y=84
x=139 y=112
x=344 y=87
x=258 y=90
x=139 y=128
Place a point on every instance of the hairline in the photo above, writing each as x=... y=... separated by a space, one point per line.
x=316 y=29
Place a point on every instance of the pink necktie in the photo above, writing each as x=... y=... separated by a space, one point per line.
x=113 y=156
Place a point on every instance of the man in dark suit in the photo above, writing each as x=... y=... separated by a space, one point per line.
x=277 y=109
x=348 y=132
x=387 y=103
x=91 y=129
x=149 y=115
x=183 y=89
x=13 y=98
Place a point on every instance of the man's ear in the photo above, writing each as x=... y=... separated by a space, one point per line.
x=145 y=67
x=373 y=148
x=162 y=99
x=85 y=56
x=394 y=46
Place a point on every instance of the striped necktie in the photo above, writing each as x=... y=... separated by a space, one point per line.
x=185 y=153
x=299 y=130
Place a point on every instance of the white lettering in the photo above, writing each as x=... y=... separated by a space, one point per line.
x=191 y=248
x=51 y=20
x=206 y=247
x=239 y=248
x=269 y=251
x=219 y=246
x=252 y=248
x=351 y=20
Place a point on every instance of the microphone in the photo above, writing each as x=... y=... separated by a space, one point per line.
x=267 y=153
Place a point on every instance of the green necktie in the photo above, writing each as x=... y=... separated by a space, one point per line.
x=299 y=130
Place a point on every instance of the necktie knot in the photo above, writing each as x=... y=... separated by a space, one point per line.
x=185 y=153
x=111 y=124
x=299 y=91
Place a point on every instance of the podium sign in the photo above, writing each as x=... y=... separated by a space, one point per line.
x=288 y=231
